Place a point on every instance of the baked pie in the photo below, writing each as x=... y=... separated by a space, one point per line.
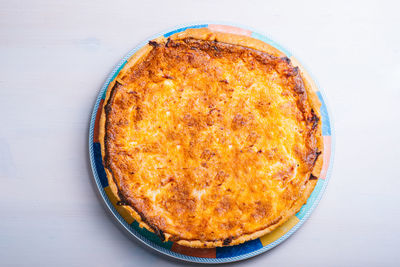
x=211 y=139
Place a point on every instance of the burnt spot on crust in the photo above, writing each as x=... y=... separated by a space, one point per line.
x=108 y=106
x=166 y=76
x=154 y=43
x=317 y=155
x=227 y=241
x=138 y=116
x=167 y=180
x=108 y=135
x=312 y=157
x=167 y=43
x=313 y=119
x=298 y=87
x=121 y=203
x=286 y=59
x=295 y=70
x=160 y=233
x=281 y=66
x=215 y=48
x=313 y=177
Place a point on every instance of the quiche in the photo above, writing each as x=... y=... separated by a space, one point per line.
x=211 y=139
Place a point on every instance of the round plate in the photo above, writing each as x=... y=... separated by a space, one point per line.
x=209 y=255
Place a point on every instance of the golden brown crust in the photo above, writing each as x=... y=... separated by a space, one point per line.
x=192 y=138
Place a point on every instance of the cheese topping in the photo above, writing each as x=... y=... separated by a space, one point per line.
x=209 y=140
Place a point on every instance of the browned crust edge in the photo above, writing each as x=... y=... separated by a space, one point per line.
x=206 y=34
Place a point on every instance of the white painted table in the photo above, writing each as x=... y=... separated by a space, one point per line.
x=54 y=57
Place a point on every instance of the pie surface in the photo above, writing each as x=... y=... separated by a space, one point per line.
x=210 y=143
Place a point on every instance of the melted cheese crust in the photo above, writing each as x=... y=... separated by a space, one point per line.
x=210 y=141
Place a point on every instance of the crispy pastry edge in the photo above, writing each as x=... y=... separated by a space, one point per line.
x=206 y=34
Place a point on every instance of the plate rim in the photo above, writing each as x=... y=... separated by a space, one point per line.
x=149 y=243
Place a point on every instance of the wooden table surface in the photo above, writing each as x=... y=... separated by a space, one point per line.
x=54 y=57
